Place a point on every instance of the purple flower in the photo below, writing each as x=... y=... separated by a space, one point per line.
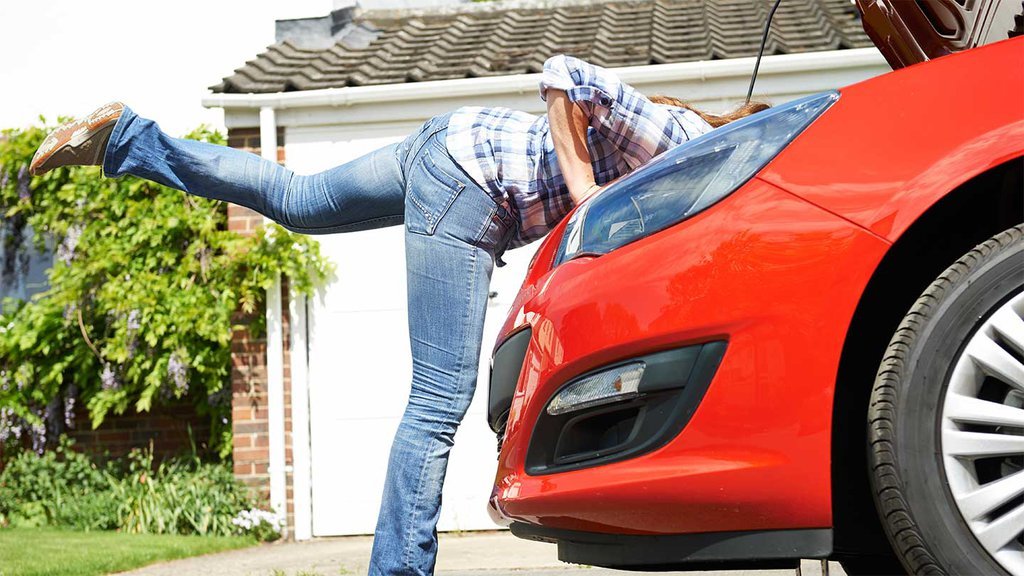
x=9 y=427
x=66 y=250
x=23 y=190
x=53 y=417
x=39 y=439
x=204 y=260
x=4 y=178
x=38 y=431
x=176 y=370
x=108 y=378
x=133 y=324
x=52 y=410
x=133 y=320
x=70 y=396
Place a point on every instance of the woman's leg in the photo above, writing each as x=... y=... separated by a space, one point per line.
x=365 y=193
x=450 y=241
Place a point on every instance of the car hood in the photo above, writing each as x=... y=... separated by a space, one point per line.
x=910 y=32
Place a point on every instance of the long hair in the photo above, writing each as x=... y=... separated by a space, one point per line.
x=715 y=120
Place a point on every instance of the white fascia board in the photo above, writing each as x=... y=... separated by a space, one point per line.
x=720 y=79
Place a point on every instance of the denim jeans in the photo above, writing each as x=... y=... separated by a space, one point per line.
x=454 y=230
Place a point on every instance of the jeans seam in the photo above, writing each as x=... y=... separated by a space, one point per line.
x=454 y=186
x=341 y=227
x=448 y=414
x=423 y=209
x=492 y=214
x=426 y=135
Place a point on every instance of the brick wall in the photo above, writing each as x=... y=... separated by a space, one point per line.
x=249 y=364
x=289 y=462
x=166 y=427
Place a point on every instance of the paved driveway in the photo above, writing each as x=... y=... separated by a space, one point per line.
x=469 y=554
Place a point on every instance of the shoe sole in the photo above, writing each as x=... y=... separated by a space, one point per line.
x=66 y=146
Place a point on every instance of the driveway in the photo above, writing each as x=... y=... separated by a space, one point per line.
x=466 y=554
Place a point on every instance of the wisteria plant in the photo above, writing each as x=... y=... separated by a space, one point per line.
x=146 y=288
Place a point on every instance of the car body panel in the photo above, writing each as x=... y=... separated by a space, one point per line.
x=846 y=162
x=764 y=269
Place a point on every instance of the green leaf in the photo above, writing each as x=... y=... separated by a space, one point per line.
x=146 y=250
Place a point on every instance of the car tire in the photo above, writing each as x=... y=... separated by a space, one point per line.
x=945 y=423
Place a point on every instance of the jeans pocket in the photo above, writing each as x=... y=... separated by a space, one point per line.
x=430 y=193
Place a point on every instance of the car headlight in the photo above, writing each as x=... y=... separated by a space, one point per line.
x=686 y=179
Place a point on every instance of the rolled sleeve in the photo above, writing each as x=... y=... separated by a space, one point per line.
x=632 y=123
x=556 y=75
x=581 y=81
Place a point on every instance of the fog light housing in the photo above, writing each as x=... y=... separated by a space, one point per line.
x=613 y=385
x=622 y=409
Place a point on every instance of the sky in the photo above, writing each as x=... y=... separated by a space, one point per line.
x=67 y=57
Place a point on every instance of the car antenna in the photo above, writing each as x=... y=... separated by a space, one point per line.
x=764 y=39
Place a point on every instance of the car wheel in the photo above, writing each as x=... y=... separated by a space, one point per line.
x=946 y=419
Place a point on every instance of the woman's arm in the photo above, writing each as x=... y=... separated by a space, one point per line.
x=569 y=132
x=639 y=128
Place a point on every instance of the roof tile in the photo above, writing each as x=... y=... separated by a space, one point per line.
x=505 y=39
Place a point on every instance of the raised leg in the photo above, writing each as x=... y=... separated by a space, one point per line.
x=362 y=194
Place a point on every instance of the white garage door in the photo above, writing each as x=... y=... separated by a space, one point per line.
x=360 y=372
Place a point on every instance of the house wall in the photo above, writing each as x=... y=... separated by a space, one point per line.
x=333 y=126
x=169 y=429
x=249 y=405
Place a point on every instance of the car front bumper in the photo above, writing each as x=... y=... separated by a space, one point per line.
x=775 y=277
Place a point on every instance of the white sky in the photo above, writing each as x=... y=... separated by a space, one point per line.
x=158 y=56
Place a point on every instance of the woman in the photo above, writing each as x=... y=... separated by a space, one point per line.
x=468 y=185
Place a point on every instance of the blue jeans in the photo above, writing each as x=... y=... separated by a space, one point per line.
x=454 y=230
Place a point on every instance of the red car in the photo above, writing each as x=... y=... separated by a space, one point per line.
x=798 y=336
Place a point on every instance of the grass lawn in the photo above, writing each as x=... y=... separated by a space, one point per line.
x=47 y=551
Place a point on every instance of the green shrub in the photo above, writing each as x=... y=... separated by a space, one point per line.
x=58 y=488
x=63 y=488
x=178 y=497
x=142 y=293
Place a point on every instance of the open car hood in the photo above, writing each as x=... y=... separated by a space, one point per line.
x=912 y=31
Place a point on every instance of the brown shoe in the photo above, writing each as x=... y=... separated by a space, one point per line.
x=78 y=143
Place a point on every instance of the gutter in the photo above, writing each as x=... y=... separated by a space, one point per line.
x=702 y=71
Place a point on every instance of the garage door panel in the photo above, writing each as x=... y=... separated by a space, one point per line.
x=370 y=270
x=348 y=462
x=361 y=367
x=360 y=372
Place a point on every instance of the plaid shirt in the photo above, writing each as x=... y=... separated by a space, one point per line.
x=511 y=154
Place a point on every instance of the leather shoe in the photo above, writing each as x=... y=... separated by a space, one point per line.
x=78 y=143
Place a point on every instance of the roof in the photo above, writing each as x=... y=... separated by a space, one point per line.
x=502 y=38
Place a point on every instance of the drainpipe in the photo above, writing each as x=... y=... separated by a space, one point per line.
x=275 y=349
x=302 y=472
